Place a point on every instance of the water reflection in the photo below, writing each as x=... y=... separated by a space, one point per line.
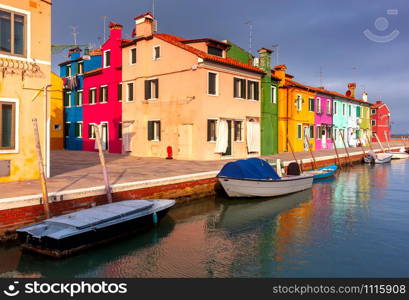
x=353 y=225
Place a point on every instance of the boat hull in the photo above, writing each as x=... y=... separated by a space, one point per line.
x=265 y=188
x=323 y=173
x=382 y=158
x=399 y=155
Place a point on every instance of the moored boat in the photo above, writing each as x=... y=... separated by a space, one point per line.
x=377 y=158
x=401 y=154
x=255 y=177
x=67 y=234
x=324 y=172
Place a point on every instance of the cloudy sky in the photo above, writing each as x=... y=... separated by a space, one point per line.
x=321 y=41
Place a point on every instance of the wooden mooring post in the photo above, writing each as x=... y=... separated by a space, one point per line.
x=379 y=142
x=310 y=150
x=346 y=148
x=43 y=180
x=362 y=146
x=295 y=158
x=336 y=152
x=387 y=140
x=103 y=165
x=369 y=141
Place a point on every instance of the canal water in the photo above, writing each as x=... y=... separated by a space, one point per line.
x=356 y=225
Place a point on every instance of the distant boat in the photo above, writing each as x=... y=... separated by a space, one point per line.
x=377 y=158
x=324 y=172
x=255 y=177
x=401 y=154
x=67 y=234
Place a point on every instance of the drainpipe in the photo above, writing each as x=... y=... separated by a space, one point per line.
x=47 y=132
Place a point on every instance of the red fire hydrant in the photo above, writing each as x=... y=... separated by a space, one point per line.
x=170 y=152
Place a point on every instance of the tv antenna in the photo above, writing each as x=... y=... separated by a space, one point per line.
x=250 y=23
x=321 y=76
x=74 y=33
x=275 y=47
x=105 y=28
x=153 y=8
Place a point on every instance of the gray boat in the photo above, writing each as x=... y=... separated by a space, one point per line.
x=67 y=234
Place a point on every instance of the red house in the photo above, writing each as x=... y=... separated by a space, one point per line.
x=103 y=97
x=380 y=121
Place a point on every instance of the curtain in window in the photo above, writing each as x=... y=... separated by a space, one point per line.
x=222 y=137
x=253 y=137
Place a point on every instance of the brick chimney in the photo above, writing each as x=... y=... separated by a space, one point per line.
x=145 y=25
x=74 y=53
x=351 y=90
x=115 y=31
x=265 y=59
x=280 y=72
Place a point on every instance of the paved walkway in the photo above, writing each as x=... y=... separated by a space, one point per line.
x=76 y=170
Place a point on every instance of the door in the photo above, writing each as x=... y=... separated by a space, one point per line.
x=229 y=138
x=306 y=134
x=185 y=141
x=104 y=136
x=324 y=137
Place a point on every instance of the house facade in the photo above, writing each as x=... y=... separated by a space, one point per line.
x=323 y=121
x=380 y=121
x=365 y=122
x=186 y=98
x=296 y=115
x=56 y=113
x=72 y=72
x=25 y=68
x=103 y=97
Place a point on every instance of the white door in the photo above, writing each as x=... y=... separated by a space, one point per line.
x=306 y=134
x=185 y=141
x=324 y=138
x=104 y=136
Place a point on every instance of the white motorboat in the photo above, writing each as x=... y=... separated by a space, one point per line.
x=401 y=154
x=255 y=177
x=377 y=158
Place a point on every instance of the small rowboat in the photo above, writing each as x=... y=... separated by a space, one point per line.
x=255 y=177
x=324 y=172
x=401 y=154
x=67 y=234
x=377 y=158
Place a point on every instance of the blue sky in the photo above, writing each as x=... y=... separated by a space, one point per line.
x=313 y=35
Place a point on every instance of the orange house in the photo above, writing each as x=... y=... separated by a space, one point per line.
x=295 y=112
x=186 y=99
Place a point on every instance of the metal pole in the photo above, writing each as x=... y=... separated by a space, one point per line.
x=43 y=179
x=292 y=151
x=336 y=152
x=312 y=155
x=103 y=165
x=345 y=146
x=379 y=142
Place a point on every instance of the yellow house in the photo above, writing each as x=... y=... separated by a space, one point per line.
x=295 y=112
x=56 y=113
x=25 y=66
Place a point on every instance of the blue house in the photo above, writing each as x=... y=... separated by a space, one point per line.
x=72 y=72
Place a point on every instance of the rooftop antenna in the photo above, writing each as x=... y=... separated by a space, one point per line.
x=153 y=8
x=250 y=23
x=74 y=34
x=275 y=47
x=105 y=27
x=321 y=76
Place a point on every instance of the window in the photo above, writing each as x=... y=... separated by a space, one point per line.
x=12 y=33
x=81 y=67
x=349 y=110
x=79 y=98
x=253 y=90
x=67 y=99
x=67 y=126
x=68 y=71
x=239 y=88
x=211 y=130
x=299 y=131
x=298 y=102
x=129 y=91
x=212 y=84
x=103 y=94
x=344 y=109
x=335 y=108
x=319 y=105
x=215 y=51
x=132 y=56
x=238 y=129
x=120 y=130
x=358 y=111
x=373 y=111
x=153 y=130
x=312 y=131
x=311 y=104
x=373 y=122
x=329 y=132
x=7 y=125
x=319 y=132
x=151 y=89
x=92 y=96
x=107 y=58
x=78 y=130
x=328 y=107
x=156 y=52
x=91 y=132
x=273 y=94
x=119 y=92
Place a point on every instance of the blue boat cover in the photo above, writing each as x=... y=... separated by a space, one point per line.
x=252 y=168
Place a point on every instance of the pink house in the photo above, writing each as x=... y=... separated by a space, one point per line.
x=103 y=97
x=323 y=121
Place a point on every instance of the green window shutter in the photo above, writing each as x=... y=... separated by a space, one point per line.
x=243 y=88
x=236 y=87
x=150 y=130
x=157 y=88
x=248 y=89
x=147 y=89
x=256 y=91
x=119 y=92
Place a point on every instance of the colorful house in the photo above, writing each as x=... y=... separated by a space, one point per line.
x=103 y=97
x=323 y=120
x=365 y=122
x=56 y=113
x=340 y=120
x=25 y=68
x=186 y=98
x=72 y=72
x=296 y=115
x=380 y=121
